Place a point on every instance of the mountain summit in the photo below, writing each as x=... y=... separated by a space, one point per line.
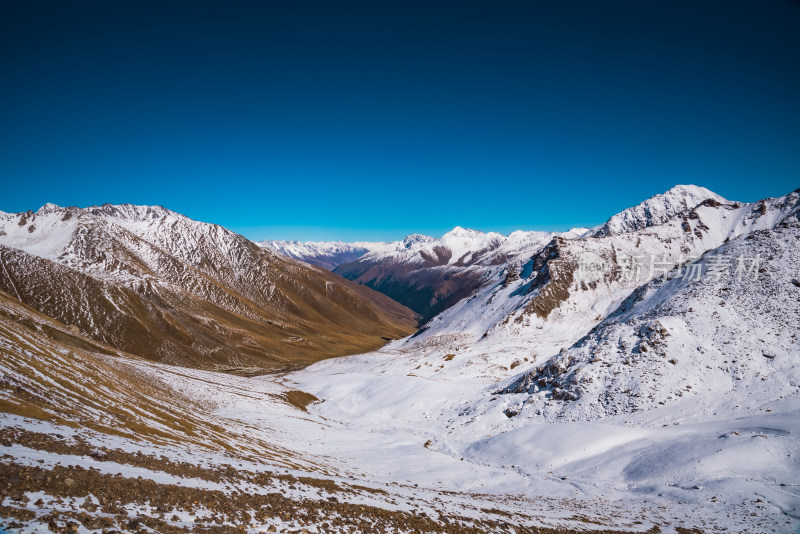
x=657 y=209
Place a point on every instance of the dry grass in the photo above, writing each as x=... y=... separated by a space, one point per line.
x=275 y=317
x=299 y=399
x=49 y=381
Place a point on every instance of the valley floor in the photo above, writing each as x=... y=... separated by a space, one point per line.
x=388 y=450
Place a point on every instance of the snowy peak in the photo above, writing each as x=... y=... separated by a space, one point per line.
x=464 y=243
x=575 y=233
x=413 y=239
x=132 y=212
x=657 y=209
x=690 y=191
x=48 y=209
x=462 y=232
x=549 y=296
x=460 y=247
x=44 y=233
x=50 y=232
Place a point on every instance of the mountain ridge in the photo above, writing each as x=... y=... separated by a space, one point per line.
x=657 y=209
x=203 y=288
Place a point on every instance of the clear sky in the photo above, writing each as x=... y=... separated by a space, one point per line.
x=371 y=120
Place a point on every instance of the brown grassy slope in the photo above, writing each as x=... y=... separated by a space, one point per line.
x=63 y=382
x=277 y=314
x=53 y=374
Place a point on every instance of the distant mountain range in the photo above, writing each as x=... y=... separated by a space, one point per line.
x=325 y=254
x=424 y=273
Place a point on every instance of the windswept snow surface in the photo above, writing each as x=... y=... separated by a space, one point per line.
x=736 y=471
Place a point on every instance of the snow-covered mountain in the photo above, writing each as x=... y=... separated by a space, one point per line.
x=326 y=254
x=719 y=332
x=587 y=327
x=588 y=372
x=641 y=378
x=155 y=283
x=657 y=210
x=554 y=297
x=428 y=275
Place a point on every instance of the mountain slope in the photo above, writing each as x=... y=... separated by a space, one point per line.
x=155 y=283
x=710 y=340
x=52 y=373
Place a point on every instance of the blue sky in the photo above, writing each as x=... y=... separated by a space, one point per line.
x=372 y=120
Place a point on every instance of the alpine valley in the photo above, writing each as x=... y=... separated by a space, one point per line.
x=161 y=374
